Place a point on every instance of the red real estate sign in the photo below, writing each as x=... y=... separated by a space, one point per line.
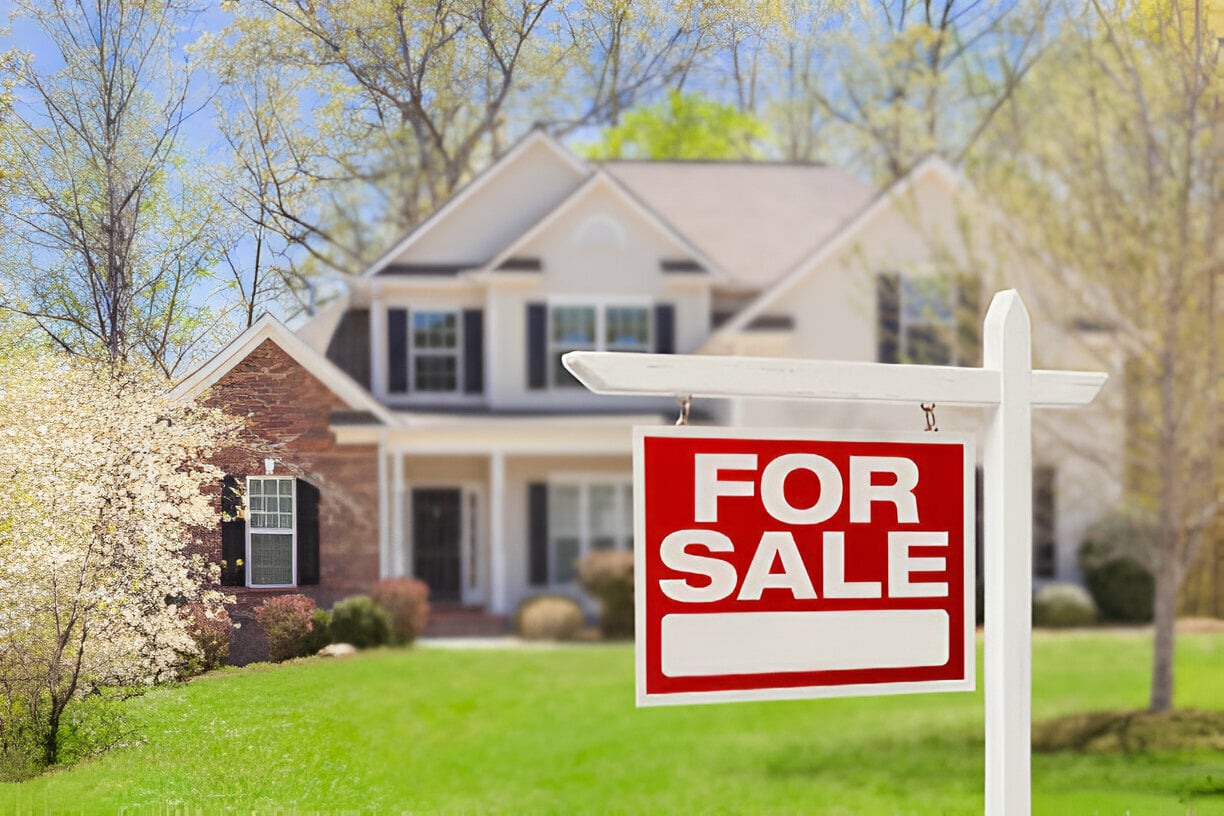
x=778 y=564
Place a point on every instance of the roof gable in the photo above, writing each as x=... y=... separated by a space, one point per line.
x=268 y=328
x=692 y=260
x=494 y=208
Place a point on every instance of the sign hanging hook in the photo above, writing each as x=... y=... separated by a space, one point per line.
x=686 y=402
x=929 y=410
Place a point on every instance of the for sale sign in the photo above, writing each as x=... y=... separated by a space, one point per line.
x=784 y=564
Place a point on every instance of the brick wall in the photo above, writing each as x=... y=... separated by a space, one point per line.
x=287 y=412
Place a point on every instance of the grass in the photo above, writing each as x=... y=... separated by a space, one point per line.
x=555 y=731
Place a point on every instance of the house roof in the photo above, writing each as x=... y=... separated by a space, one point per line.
x=836 y=240
x=755 y=220
x=269 y=328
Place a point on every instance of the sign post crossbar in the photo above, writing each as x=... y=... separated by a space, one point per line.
x=1007 y=384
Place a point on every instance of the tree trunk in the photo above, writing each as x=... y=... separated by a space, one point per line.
x=1165 y=615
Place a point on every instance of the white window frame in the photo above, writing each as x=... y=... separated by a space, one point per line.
x=623 y=487
x=601 y=305
x=415 y=351
x=251 y=529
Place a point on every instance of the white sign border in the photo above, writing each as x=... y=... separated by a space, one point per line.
x=965 y=683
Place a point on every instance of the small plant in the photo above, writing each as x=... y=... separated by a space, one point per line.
x=211 y=630
x=1111 y=559
x=406 y=600
x=549 y=617
x=608 y=575
x=1063 y=605
x=320 y=631
x=286 y=621
x=360 y=622
x=1123 y=590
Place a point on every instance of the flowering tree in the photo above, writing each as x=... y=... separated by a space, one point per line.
x=102 y=497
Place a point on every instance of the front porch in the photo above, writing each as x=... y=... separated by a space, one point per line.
x=490 y=510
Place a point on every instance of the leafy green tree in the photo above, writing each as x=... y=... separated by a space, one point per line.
x=684 y=126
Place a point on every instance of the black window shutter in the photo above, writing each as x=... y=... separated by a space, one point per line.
x=1044 y=529
x=665 y=328
x=537 y=533
x=968 y=320
x=473 y=351
x=537 y=345
x=888 y=317
x=233 y=533
x=397 y=351
x=307 y=533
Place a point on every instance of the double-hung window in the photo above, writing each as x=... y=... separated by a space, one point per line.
x=271 y=542
x=928 y=319
x=585 y=516
x=609 y=327
x=435 y=351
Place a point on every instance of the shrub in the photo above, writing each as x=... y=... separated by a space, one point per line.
x=608 y=575
x=320 y=631
x=211 y=630
x=1122 y=589
x=406 y=600
x=549 y=617
x=1061 y=605
x=286 y=621
x=361 y=622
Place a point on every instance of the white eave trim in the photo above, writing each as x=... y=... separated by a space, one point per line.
x=269 y=328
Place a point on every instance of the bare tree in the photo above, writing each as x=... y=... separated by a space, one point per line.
x=893 y=81
x=107 y=236
x=1115 y=181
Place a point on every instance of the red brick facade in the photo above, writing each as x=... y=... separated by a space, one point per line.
x=287 y=413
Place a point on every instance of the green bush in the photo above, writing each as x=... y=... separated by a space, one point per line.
x=211 y=630
x=608 y=575
x=549 y=617
x=1123 y=590
x=320 y=632
x=406 y=600
x=360 y=622
x=1063 y=605
x=285 y=621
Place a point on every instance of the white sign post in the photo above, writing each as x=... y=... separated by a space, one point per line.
x=1008 y=385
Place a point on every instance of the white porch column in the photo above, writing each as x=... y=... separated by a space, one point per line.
x=399 y=565
x=386 y=502
x=497 y=533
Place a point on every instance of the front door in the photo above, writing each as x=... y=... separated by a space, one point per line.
x=436 y=532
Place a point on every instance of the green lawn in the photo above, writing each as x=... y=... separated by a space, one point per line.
x=555 y=731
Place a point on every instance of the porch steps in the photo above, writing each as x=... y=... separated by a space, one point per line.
x=457 y=620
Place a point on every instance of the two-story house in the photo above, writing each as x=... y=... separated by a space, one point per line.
x=423 y=424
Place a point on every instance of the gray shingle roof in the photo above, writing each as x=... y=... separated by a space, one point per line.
x=756 y=220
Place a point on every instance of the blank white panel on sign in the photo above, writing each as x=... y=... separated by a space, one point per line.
x=767 y=642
